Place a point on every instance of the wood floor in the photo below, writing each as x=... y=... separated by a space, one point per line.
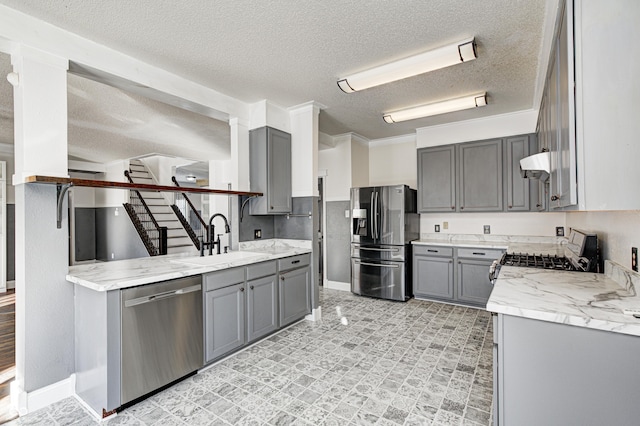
x=7 y=352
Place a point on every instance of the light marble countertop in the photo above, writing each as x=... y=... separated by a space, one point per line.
x=582 y=299
x=512 y=244
x=105 y=276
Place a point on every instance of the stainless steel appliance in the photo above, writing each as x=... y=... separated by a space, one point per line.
x=384 y=221
x=580 y=254
x=161 y=335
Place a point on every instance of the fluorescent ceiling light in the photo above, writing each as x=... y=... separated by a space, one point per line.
x=455 y=53
x=451 y=105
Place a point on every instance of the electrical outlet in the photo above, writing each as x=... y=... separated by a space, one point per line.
x=487 y=229
x=257 y=234
x=437 y=227
x=445 y=225
x=559 y=231
x=634 y=258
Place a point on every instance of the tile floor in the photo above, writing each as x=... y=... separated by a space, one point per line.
x=389 y=363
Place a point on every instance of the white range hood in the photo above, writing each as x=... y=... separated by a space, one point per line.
x=537 y=166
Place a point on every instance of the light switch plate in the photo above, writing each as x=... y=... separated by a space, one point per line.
x=445 y=225
x=487 y=229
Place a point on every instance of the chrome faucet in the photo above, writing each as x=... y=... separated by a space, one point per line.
x=212 y=233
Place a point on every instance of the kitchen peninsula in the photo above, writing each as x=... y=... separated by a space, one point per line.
x=563 y=347
x=142 y=324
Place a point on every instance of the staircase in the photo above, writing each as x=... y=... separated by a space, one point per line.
x=178 y=241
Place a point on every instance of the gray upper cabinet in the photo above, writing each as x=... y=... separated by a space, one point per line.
x=270 y=170
x=480 y=176
x=437 y=179
x=518 y=188
x=556 y=122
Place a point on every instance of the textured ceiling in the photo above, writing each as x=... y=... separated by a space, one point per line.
x=293 y=51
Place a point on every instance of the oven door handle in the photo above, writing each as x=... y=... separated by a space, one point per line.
x=377 y=265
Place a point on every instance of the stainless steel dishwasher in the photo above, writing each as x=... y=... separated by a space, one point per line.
x=161 y=335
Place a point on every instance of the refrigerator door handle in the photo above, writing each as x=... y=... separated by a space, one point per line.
x=376 y=215
x=371 y=210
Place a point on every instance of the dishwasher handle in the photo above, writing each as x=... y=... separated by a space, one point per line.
x=161 y=296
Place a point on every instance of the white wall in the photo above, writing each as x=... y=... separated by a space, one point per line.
x=337 y=164
x=359 y=162
x=112 y=197
x=529 y=224
x=393 y=162
x=497 y=126
x=617 y=231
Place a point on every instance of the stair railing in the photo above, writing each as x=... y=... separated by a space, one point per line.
x=190 y=217
x=153 y=235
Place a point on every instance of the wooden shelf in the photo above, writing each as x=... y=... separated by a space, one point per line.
x=126 y=185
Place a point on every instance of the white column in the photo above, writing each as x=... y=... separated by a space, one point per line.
x=239 y=172
x=304 y=149
x=44 y=299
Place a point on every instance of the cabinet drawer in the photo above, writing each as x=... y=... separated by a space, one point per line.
x=293 y=262
x=480 y=253
x=224 y=278
x=260 y=270
x=433 y=250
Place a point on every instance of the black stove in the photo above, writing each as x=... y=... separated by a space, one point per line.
x=580 y=254
x=543 y=261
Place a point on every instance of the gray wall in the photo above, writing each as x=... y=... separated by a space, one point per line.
x=44 y=298
x=11 y=242
x=85 y=233
x=338 y=242
x=278 y=226
x=117 y=235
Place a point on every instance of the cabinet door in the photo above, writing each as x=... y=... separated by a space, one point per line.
x=279 y=171
x=224 y=316
x=433 y=277
x=295 y=300
x=437 y=179
x=473 y=281
x=480 y=176
x=262 y=307
x=517 y=186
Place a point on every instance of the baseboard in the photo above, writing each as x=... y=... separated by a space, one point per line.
x=315 y=315
x=337 y=285
x=28 y=402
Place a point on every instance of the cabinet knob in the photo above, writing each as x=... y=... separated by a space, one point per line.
x=271 y=207
x=282 y=278
x=510 y=207
x=555 y=198
x=251 y=287
x=461 y=207
x=242 y=289
x=453 y=207
x=538 y=205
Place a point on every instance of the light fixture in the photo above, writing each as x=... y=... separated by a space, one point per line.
x=442 y=57
x=436 y=108
x=190 y=178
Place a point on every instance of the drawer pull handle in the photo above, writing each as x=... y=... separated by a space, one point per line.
x=295 y=261
x=479 y=253
x=433 y=251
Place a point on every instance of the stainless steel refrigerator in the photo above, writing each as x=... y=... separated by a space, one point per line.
x=384 y=221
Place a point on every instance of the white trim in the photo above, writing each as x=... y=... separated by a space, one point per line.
x=91 y=411
x=332 y=199
x=28 y=402
x=395 y=140
x=337 y=285
x=315 y=315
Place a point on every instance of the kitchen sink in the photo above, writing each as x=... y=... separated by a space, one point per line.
x=217 y=259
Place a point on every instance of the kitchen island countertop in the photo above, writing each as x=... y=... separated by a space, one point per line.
x=116 y=275
x=582 y=299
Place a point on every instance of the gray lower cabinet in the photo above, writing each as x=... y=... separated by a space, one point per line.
x=224 y=316
x=480 y=176
x=434 y=276
x=262 y=307
x=549 y=373
x=294 y=289
x=433 y=272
